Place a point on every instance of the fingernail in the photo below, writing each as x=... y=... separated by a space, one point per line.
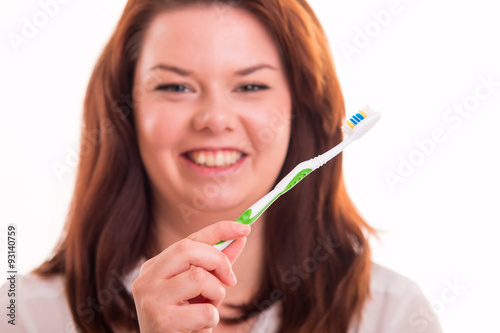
x=234 y=278
x=243 y=228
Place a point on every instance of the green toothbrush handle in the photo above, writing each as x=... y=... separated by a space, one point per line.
x=256 y=210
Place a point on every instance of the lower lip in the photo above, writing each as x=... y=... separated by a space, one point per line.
x=213 y=171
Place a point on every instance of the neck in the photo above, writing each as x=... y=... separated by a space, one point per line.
x=173 y=223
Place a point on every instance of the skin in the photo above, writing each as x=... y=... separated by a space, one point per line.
x=210 y=79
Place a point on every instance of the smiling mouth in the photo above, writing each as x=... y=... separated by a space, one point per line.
x=214 y=158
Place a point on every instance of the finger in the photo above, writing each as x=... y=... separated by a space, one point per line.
x=225 y=230
x=180 y=256
x=195 y=285
x=233 y=251
x=145 y=266
x=194 y=317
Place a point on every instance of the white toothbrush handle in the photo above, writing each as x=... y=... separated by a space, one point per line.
x=290 y=180
x=365 y=122
x=336 y=150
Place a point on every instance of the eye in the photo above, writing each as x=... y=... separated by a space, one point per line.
x=251 y=87
x=174 y=87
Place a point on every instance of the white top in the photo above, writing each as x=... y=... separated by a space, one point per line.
x=397 y=305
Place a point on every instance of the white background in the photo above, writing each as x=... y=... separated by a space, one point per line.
x=439 y=223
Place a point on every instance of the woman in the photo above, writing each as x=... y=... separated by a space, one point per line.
x=197 y=108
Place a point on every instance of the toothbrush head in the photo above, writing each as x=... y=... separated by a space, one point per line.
x=361 y=122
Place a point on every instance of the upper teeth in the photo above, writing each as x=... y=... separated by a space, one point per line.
x=219 y=158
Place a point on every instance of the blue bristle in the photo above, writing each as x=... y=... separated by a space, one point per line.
x=354 y=120
x=360 y=116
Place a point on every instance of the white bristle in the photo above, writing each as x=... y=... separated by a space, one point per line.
x=346 y=129
x=368 y=110
x=367 y=123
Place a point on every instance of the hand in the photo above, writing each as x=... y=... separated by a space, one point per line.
x=181 y=288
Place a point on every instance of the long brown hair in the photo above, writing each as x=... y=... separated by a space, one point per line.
x=109 y=224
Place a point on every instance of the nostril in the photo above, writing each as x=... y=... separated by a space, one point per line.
x=214 y=120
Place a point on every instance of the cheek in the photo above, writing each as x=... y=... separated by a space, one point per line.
x=156 y=128
x=271 y=129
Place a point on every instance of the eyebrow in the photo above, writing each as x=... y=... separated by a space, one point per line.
x=250 y=70
x=174 y=69
x=183 y=72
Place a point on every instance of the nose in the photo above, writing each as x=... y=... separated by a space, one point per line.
x=214 y=115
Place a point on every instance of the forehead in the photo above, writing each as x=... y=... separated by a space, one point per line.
x=212 y=36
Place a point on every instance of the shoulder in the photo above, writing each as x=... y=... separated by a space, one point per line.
x=388 y=282
x=34 y=286
x=39 y=304
x=396 y=304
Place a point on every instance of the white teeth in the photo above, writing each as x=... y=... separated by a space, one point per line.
x=220 y=158
x=229 y=158
x=201 y=159
x=210 y=162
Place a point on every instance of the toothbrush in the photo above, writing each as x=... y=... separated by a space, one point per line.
x=354 y=128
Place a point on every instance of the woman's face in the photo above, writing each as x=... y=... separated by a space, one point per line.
x=212 y=110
